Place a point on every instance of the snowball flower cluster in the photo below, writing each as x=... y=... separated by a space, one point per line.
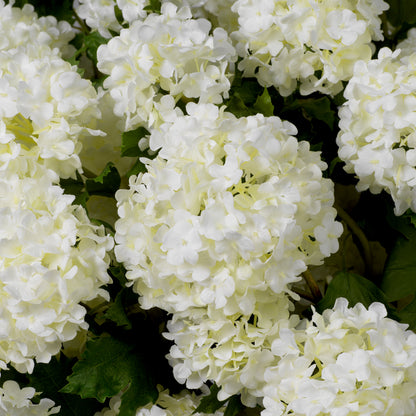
x=171 y=52
x=229 y=210
x=44 y=102
x=102 y=15
x=47 y=105
x=310 y=42
x=377 y=138
x=183 y=404
x=20 y=26
x=15 y=401
x=218 y=12
x=51 y=259
x=347 y=361
x=233 y=351
x=51 y=256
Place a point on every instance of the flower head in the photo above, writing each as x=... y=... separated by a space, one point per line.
x=377 y=123
x=171 y=52
x=229 y=209
x=314 y=43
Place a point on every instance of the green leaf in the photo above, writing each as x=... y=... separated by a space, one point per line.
x=405 y=224
x=264 y=104
x=245 y=93
x=118 y=272
x=210 y=403
x=401 y=11
x=153 y=7
x=107 y=367
x=116 y=312
x=141 y=391
x=72 y=186
x=93 y=41
x=408 y=315
x=130 y=142
x=319 y=109
x=137 y=168
x=50 y=378
x=353 y=287
x=236 y=106
x=234 y=406
x=75 y=187
x=399 y=279
x=105 y=184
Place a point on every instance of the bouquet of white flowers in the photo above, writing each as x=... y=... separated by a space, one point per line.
x=207 y=208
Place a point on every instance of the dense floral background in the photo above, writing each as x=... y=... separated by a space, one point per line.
x=208 y=207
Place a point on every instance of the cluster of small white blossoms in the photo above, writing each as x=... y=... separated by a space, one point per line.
x=233 y=351
x=229 y=209
x=182 y=404
x=101 y=15
x=345 y=362
x=51 y=256
x=15 y=401
x=227 y=216
x=308 y=42
x=377 y=139
x=171 y=52
x=51 y=259
x=43 y=100
x=218 y=12
x=19 y=26
x=47 y=105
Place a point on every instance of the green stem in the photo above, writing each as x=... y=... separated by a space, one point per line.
x=313 y=286
x=84 y=28
x=304 y=295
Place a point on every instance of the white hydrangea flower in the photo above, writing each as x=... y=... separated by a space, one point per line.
x=233 y=351
x=408 y=45
x=311 y=42
x=99 y=15
x=347 y=361
x=229 y=209
x=218 y=12
x=183 y=404
x=170 y=52
x=51 y=259
x=377 y=122
x=15 y=401
x=48 y=107
x=133 y=9
x=20 y=26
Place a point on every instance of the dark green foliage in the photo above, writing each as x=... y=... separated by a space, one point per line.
x=92 y=42
x=399 y=279
x=106 y=183
x=50 y=378
x=355 y=288
x=62 y=9
x=109 y=366
x=210 y=403
x=130 y=142
x=116 y=311
x=234 y=406
x=153 y=7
